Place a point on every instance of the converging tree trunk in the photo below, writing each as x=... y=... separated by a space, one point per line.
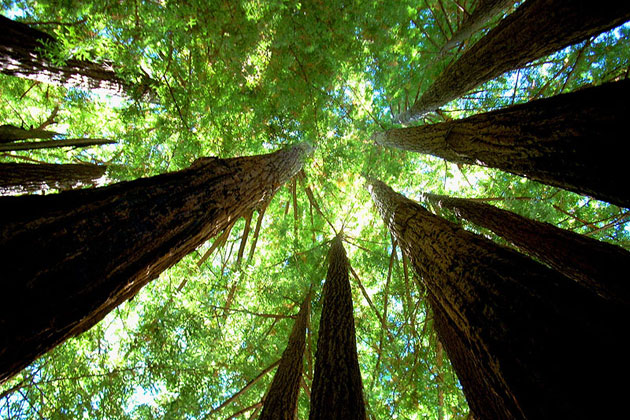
x=10 y=133
x=597 y=265
x=51 y=144
x=337 y=391
x=537 y=28
x=535 y=338
x=570 y=141
x=22 y=55
x=68 y=259
x=282 y=398
x=25 y=177
x=483 y=13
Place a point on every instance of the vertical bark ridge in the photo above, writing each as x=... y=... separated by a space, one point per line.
x=570 y=141
x=597 y=265
x=282 y=398
x=70 y=258
x=337 y=390
x=537 y=28
x=535 y=337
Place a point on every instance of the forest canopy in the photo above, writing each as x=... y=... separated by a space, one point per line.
x=226 y=79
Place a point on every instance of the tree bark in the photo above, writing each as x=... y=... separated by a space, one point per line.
x=537 y=28
x=483 y=13
x=68 y=259
x=10 y=133
x=337 y=391
x=597 y=265
x=28 y=177
x=21 y=55
x=282 y=399
x=51 y=144
x=534 y=337
x=570 y=141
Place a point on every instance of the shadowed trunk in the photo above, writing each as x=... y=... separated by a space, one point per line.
x=28 y=177
x=68 y=259
x=10 y=133
x=483 y=13
x=597 y=265
x=22 y=55
x=337 y=391
x=51 y=144
x=534 y=337
x=282 y=398
x=570 y=141
x=537 y=28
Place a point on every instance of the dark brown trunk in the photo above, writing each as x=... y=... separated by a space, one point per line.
x=21 y=55
x=68 y=259
x=337 y=391
x=28 y=177
x=282 y=398
x=535 y=337
x=537 y=28
x=483 y=13
x=51 y=144
x=570 y=141
x=10 y=133
x=597 y=265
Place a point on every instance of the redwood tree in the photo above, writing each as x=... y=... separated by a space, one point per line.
x=69 y=259
x=537 y=28
x=522 y=329
x=30 y=177
x=569 y=141
x=22 y=55
x=337 y=391
x=282 y=398
x=592 y=263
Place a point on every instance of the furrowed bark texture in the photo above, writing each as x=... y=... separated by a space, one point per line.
x=21 y=55
x=282 y=399
x=25 y=177
x=533 y=336
x=68 y=259
x=570 y=141
x=483 y=13
x=537 y=28
x=337 y=391
x=597 y=265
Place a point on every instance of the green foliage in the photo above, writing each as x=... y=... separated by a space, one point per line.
x=242 y=78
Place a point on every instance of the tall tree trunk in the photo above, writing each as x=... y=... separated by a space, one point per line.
x=597 y=265
x=51 y=144
x=483 y=13
x=68 y=259
x=570 y=141
x=536 y=338
x=21 y=55
x=282 y=398
x=10 y=133
x=537 y=28
x=26 y=177
x=337 y=391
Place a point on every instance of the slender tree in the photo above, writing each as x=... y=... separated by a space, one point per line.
x=31 y=177
x=537 y=28
x=592 y=263
x=70 y=258
x=22 y=55
x=282 y=398
x=531 y=333
x=51 y=144
x=570 y=141
x=337 y=391
x=10 y=133
x=483 y=13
